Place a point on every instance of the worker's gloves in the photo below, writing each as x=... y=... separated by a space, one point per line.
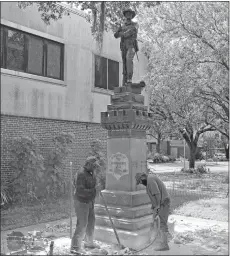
x=155 y=211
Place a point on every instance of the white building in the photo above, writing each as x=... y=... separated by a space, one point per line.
x=50 y=80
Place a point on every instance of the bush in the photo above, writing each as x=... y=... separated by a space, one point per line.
x=172 y=159
x=199 y=155
x=202 y=169
x=157 y=158
x=226 y=180
x=34 y=178
x=165 y=159
x=160 y=158
x=28 y=166
x=199 y=170
x=55 y=182
x=5 y=194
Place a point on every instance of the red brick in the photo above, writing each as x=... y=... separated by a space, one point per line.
x=45 y=130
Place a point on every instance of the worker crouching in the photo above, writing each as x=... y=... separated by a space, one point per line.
x=160 y=200
x=84 y=198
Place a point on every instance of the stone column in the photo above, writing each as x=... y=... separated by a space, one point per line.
x=126 y=120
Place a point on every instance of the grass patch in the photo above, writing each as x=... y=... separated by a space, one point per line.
x=178 y=200
x=212 y=209
x=211 y=183
x=21 y=215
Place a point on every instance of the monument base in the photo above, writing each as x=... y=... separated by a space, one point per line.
x=132 y=239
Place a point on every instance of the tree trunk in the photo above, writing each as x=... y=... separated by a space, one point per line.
x=192 y=159
x=226 y=147
x=158 y=147
x=192 y=155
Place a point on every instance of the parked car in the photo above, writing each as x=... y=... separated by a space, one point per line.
x=219 y=156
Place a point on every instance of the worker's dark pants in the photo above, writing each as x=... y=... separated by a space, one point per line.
x=85 y=223
x=164 y=214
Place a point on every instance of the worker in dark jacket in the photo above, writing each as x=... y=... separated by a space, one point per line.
x=84 y=197
x=160 y=200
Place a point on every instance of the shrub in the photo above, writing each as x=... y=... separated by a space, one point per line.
x=160 y=158
x=28 y=166
x=5 y=194
x=157 y=158
x=202 y=169
x=172 y=158
x=199 y=155
x=165 y=159
x=54 y=179
x=226 y=180
x=199 y=170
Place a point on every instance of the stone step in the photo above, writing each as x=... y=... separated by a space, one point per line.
x=125 y=198
x=135 y=239
x=123 y=212
x=125 y=224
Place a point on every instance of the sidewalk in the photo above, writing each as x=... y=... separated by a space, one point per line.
x=183 y=223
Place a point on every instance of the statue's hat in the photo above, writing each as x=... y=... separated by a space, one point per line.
x=129 y=10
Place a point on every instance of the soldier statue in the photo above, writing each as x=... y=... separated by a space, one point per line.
x=128 y=34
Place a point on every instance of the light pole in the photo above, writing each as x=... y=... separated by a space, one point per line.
x=71 y=195
x=184 y=131
x=184 y=154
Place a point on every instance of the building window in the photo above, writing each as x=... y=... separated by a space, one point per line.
x=28 y=53
x=106 y=73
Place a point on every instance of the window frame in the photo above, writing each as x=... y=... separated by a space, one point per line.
x=27 y=55
x=61 y=57
x=107 y=70
x=45 y=42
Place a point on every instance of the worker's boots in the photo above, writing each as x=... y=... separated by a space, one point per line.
x=162 y=245
x=170 y=237
x=92 y=245
x=78 y=251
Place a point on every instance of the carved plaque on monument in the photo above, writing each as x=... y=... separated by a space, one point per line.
x=118 y=165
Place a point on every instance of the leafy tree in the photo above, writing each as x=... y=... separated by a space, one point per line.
x=103 y=15
x=187 y=47
x=177 y=106
x=210 y=142
x=160 y=131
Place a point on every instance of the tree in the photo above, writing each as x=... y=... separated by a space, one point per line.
x=160 y=131
x=177 y=106
x=103 y=15
x=187 y=47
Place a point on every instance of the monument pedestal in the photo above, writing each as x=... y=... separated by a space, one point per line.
x=126 y=120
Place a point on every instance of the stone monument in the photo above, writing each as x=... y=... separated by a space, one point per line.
x=126 y=120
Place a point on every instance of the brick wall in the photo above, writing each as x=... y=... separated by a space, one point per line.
x=45 y=130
